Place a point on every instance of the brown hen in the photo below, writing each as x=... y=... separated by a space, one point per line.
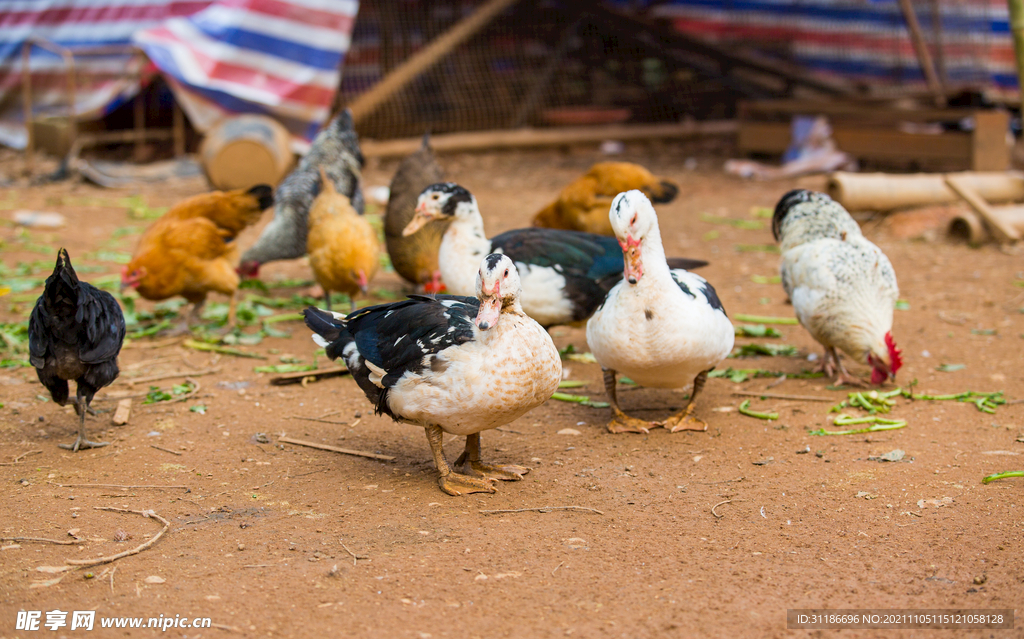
x=190 y=250
x=583 y=204
x=343 y=248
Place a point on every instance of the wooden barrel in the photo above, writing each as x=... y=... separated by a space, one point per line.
x=245 y=150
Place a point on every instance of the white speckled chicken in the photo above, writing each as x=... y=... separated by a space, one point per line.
x=842 y=286
x=451 y=364
x=662 y=327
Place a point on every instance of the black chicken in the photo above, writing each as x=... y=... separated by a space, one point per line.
x=75 y=332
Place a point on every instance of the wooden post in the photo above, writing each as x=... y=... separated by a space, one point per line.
x=924 y=58
x=1000 y=229
x=368 y=102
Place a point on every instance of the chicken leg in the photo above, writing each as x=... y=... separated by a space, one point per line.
x=82 y=407
x=676 y=422
x=621 y=422
x=471 y=457
x=838 y=372
x=451 y=482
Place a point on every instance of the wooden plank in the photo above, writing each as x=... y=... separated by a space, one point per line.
x=554 y=136
x=866 y=111
x=989 y=150
x=876 y=143
x=924 y=57
x=1003 y=232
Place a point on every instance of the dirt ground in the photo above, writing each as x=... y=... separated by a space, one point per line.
x=689 y=534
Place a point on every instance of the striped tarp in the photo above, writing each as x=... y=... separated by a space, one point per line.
x=278 y=57
x=863 y=40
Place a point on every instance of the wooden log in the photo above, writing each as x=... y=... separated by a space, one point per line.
x=555 y=136
x=406 y=72
x=886 y=192
x=123 y=412
x=972 y=229
x=1002 y=231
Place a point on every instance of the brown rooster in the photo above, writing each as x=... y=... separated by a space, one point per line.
x=583 y=204
x=343 y=248
x=190 y=250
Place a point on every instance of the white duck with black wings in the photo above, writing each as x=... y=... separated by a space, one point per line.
x=661 y=327
x=451 y=364
x=565 y=274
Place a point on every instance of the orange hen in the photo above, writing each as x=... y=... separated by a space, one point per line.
x=190 y=250
x=583 y=204
x=343 y=247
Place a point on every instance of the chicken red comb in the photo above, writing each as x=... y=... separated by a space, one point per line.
x=895 y=354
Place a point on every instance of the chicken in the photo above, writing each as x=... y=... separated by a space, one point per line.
x=451 y=364
x=336 y=148
x=189 y=250
x=75 y=332
x=583 y=204
x=842 y=286
x=344 y=251
x=415 y=256
x=663 y=327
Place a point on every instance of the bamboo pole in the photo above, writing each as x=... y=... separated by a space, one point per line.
x=368 y=102
x=1017 y=29
x=924 y=58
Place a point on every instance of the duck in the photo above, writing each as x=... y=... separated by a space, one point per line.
x=662 y=327
x=414 y=257
x=565 y=274
x=450 y=364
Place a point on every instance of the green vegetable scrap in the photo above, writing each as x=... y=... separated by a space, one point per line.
x=985 y=402
x=571 y=383
x=1004 y=475
x=871 y=401
x=765 y=279
x=756 y=330
x=771 y=350
x=757 y=248
x=902 y=305
x=745 y=410
x=949 y=368
x=877 y=424
x=579 y=399
x=285 y=368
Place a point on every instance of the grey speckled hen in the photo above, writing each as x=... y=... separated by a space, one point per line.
x=842 y=286
x=336 y=149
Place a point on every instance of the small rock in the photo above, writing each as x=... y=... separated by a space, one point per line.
x=576 y=543
x=241 y=547
x=568 y=431
x=153 y=579
x=980 y=579
x=39 y=219
x=123 y=412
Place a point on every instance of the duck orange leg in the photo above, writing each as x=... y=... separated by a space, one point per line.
x=451 y=482
x=621 y=422
x=471 y=457
x=684 y=420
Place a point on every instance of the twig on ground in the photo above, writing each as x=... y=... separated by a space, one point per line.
x=43 y=540
x=166 y=450
x=19 y=457
x=542 y=509
x=808 y=398
x=556 y=568
x=157 y=344
x=334 y=449
x=134 y=551
x=223 y=350
x=355 y=557
x=154 y=487
x=724 y=481
x=317 y=419
x=727 y=501
x=155 y=378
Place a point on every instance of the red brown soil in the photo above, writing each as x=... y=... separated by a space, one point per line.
x=260 y=540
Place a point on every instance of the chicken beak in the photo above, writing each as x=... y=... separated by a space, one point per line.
x=634 y=266
x=418 y=221
x=490 y=308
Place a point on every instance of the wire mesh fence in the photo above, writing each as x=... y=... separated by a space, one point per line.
x=550 y=63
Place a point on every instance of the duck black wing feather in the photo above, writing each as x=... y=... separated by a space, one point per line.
x=398 y=338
